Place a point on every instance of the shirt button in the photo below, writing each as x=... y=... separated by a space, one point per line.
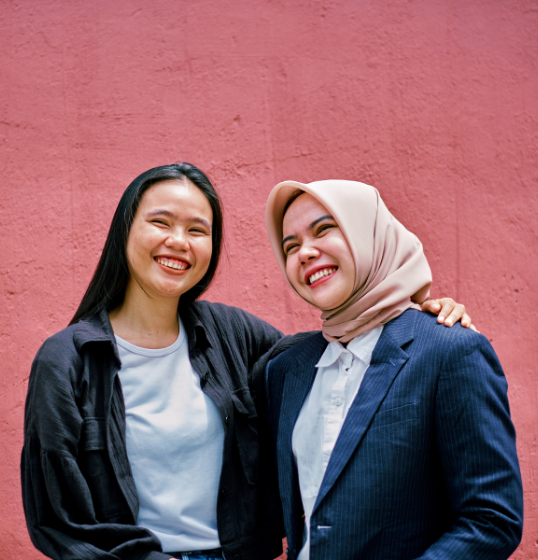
x=338 y=402
x=227 y=420
x=223 y=492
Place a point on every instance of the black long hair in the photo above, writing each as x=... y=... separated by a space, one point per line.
x=107 y=287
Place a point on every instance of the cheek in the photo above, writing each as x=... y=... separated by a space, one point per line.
x=292 y=272
x=132 y=249
x=205 y=251
x=138 y=246
x=341 y=251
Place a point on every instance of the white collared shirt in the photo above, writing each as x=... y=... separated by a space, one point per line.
x=339 y=376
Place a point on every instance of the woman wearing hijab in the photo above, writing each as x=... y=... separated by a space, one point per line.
x=393 y=434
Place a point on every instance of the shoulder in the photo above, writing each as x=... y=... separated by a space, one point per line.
x=63 y=350
x=292 y=349
x=427 y=333
x=452 y=348
x=230 y=317
x=300 y=358
x=59 y=347
x=220 y=311
x=54 y=370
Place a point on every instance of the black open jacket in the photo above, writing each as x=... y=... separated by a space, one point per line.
x=79 y=494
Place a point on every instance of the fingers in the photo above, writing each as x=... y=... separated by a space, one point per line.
x=431 y=305
x=441 y=307
x=449 y=312
x=465 y=319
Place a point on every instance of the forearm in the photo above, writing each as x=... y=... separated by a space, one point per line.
x=75 y=543
x=63 y=520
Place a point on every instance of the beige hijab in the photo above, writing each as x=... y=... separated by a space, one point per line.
x=391 y=270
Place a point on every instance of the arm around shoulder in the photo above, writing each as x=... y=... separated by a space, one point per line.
x=258 y=334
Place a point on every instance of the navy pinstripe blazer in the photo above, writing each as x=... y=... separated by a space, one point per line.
x=425 y=465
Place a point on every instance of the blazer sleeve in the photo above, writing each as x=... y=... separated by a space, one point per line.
x=477 y=446
x=57 y=499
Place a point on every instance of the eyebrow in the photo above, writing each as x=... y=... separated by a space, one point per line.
x=310 y=227
x=163 y=212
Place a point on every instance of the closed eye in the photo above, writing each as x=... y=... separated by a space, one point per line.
x=290 y=248
x=160 y=223
x=200 y=231
x=323 y=228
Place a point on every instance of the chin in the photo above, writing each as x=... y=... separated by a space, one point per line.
x=172 y=291
x=325 y=302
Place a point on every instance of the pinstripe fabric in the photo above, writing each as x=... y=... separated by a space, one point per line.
x=425 y=465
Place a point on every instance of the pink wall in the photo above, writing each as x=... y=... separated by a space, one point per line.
x=435 y=102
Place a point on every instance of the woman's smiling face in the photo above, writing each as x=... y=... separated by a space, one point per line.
x=169 y=246
x=319 y=263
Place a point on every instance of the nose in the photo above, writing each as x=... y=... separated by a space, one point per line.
x=177 y=240
x=307 y=253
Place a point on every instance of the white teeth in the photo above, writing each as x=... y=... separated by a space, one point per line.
x=171 y=264
x=320 y=274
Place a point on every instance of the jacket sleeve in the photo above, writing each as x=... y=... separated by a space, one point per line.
x=476 y=441
x=260 y=337
x=61 y=516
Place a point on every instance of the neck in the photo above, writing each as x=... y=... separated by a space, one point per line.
x=144 y=320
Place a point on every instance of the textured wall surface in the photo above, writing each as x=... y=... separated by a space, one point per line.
x=435 y=102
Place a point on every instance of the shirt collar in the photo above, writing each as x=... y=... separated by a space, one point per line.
x=97 y=328
x=361 y=347
x=196 y=331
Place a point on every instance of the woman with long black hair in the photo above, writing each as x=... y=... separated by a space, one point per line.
x=141 y=433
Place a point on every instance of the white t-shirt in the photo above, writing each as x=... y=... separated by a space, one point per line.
x=175 y=441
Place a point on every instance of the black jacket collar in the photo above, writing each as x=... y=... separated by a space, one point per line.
x=97 y=328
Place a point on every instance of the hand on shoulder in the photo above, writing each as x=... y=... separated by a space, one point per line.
x=449 y=312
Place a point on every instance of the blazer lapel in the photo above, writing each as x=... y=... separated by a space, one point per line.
x=297 y=385
x=387 y=361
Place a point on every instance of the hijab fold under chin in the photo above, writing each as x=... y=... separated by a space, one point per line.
x=391 y=270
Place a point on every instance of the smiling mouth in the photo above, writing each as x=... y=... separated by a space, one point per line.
x=172 y=263
x=323 y=273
